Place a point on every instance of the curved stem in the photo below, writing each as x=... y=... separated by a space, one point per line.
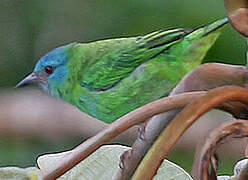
x=208 y=147
x=205 y=77
x=164 y=144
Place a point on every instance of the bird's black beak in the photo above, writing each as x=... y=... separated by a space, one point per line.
x=32 y=78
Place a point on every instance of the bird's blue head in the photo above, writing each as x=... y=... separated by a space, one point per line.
x=51 y=70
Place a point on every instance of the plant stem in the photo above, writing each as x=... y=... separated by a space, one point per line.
x=164 y=144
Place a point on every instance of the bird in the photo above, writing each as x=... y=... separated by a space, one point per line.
x=109 y=78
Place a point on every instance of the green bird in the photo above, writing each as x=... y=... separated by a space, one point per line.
x=109 y=78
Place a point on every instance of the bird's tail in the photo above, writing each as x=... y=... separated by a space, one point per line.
x=191 y=50
x=183 y=43
x=168 y=37
x=183 y=49
x=208 y=29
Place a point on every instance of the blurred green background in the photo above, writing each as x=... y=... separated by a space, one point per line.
x=30 y=28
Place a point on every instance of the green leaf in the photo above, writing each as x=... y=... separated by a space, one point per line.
x=103 y=164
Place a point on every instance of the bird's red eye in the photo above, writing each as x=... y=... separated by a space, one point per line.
x=49 y=69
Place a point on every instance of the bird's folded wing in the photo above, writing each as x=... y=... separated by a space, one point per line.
x=119 y=57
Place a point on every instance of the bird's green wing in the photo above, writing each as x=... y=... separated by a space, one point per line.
x=113 y=60
x=117 y=58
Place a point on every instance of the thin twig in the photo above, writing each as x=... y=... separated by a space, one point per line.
x=208 y=148
x=164 y=144
x=135 y=117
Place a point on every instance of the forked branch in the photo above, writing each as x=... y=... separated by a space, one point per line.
x=204 y=77
x=164 y=144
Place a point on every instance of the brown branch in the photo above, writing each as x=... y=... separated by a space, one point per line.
x=205 y=77
x=246 y=151
x=164 y=144
x=148 y=134
x=238 y=15
x=211 y=75
x=208 y=148
x=135 y=117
